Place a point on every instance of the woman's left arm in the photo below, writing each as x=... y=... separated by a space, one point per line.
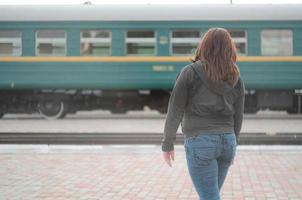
x=176 y=107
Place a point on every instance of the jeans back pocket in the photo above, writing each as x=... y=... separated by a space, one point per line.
x=204 y=149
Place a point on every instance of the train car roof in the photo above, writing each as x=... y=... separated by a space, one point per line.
x=151 y=12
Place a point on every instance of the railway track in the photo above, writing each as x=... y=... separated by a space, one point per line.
x=135 y=138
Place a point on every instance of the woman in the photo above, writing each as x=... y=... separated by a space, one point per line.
x=208 y=101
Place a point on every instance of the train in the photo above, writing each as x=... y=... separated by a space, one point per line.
x=60 y=59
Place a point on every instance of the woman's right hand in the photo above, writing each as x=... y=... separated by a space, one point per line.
x=168 y=156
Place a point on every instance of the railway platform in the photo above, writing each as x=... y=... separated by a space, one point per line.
x=138 y=122
x=138 y=172
x=136 y=128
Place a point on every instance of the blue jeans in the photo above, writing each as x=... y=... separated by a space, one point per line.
x=209 y=157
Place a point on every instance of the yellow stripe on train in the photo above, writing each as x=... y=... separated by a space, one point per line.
x=142 y=59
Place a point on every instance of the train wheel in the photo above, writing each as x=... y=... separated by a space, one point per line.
x=51 y=109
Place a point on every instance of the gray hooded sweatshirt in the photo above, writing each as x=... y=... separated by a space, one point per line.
x=202 y=107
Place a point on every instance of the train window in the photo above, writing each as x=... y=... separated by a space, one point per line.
x=240 y=39
x=276 y=42
x=184 y=42
x=95 y=43
x=140 y=42
x=51 y=43
x=10 y=43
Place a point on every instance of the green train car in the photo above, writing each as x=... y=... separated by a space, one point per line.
x=57 y=60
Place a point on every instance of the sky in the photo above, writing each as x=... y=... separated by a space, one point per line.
x=62 y=2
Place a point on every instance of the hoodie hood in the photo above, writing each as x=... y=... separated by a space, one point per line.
x=217 y=88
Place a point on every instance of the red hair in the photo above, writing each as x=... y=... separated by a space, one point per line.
x=218 y=53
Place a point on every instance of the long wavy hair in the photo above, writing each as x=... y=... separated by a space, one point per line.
x=217 y=51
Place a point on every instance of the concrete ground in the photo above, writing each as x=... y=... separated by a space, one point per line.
x=270 y=124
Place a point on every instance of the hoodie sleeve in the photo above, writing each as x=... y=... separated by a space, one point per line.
x=239 y=108
x=176 y=106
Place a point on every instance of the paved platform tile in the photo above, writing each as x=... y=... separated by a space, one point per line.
x=137 y=176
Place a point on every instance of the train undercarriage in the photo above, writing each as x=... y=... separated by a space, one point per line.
x=55 y=104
